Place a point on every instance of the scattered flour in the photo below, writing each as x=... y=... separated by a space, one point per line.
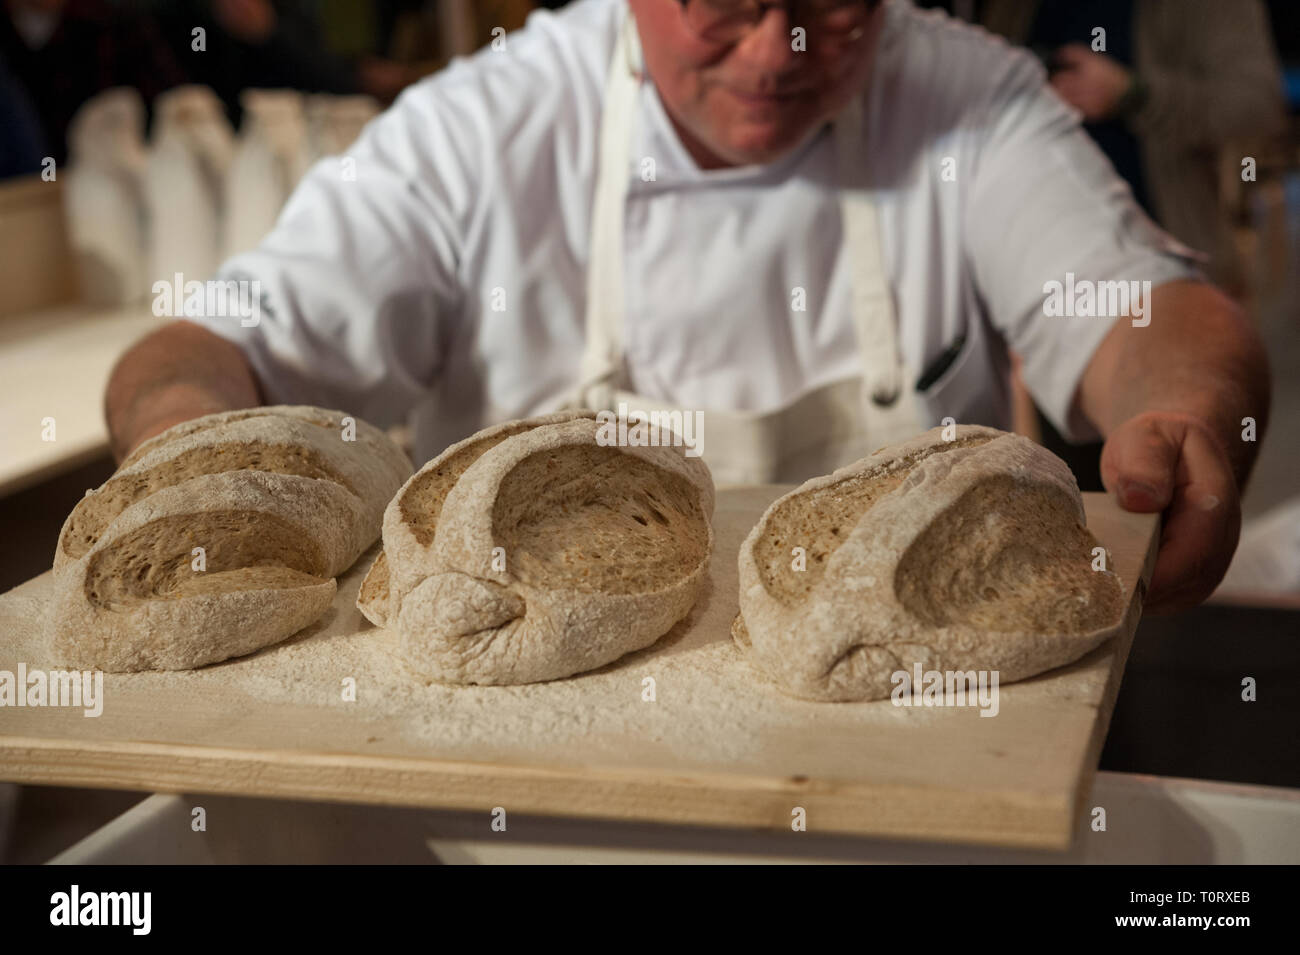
x=710 y=707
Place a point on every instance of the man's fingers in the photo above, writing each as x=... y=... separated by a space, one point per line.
x=1165 y=462
x=1190 y=565
x=1200 y=529
x=1138 y=465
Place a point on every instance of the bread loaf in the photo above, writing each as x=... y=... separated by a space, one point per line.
x=217 y=537
x=968 y=554
x=531 y=551
x=411 y=517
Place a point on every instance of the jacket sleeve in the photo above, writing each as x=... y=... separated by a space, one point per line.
x=1045 y=210
x=357 y=281
x=372 y=280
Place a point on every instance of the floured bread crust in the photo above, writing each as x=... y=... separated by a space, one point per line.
x=965 y=555
x=552 y=554
x=411 y=517
x=218 y=537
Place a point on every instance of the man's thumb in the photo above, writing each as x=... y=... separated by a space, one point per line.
x=1138 y=465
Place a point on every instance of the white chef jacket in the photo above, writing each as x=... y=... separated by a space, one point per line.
x=441 y=272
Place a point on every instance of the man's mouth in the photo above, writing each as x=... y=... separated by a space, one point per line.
x=774 y=98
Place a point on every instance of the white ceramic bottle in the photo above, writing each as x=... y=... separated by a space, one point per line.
x=103 y=198
x=335 y=122
x=190 y=156
x=272 y=154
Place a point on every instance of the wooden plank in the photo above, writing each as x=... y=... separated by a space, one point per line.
x=720 y=747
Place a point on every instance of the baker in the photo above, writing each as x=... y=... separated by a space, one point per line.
x=826 y=225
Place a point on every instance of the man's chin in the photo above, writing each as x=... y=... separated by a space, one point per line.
x=762 y=144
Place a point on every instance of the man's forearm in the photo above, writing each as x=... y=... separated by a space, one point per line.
x=177 y=373
x=1199 y=357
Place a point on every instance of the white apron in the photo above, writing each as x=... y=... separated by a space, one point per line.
x=823 y=429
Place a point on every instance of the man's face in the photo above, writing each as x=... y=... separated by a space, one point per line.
x=753 y=100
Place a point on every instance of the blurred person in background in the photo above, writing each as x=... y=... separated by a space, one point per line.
x=22 y=145
x=1178 y=82
x=63 y=52
x=261 y=44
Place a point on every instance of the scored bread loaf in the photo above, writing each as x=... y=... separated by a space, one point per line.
x=411 y=517
x=963 y=554
x=218 y=537
x=532 y=551
x=372 y=437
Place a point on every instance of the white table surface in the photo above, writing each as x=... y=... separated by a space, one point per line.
x=55 y=363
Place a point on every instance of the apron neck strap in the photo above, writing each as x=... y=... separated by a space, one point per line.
x=602 y=362
x=602 y=357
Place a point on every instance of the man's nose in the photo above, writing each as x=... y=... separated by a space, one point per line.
x=769 y=46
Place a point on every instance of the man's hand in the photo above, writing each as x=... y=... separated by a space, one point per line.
x=1162 y=461
x=1092 y=83
x=1172 y=399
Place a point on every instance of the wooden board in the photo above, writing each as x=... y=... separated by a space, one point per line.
x=717 y=746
